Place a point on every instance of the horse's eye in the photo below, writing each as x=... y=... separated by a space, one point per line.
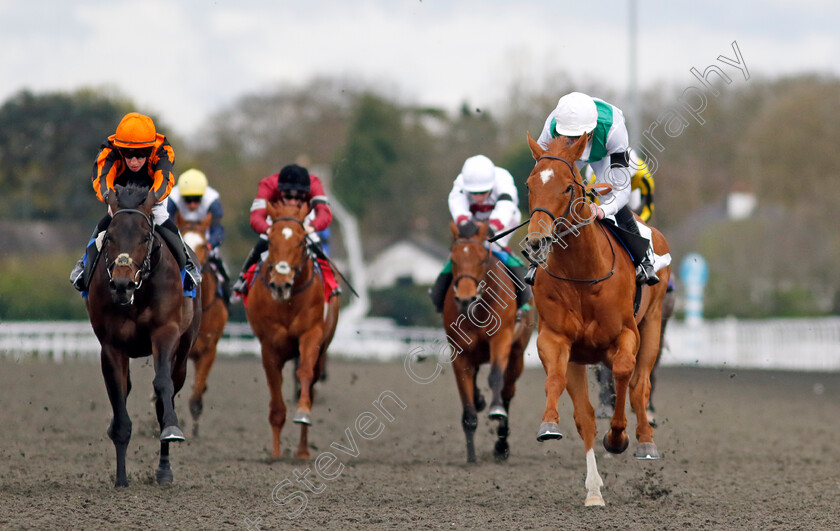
x=569 y=189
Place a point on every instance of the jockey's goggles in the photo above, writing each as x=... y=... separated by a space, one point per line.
x=192 y=198
x=481 y=193
x=294 y=194
x=129 y=153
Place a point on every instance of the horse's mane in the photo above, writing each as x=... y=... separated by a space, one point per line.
x=131 y=195
x=467 y=229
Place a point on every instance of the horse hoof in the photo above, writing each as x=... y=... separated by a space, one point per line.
x=120 y=483
x=594 y=502
x=172 y=434
x=497 y=413
x=549 y=430
x=616 y=449
x=302 y=418
x=195 y=430
x=647 y=451
x=501 y=451
x=164 y=476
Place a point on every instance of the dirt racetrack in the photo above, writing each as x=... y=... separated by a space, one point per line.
x=741 y=449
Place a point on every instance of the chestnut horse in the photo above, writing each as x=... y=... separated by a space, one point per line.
x=137 y=308
x=479 y=316
x=286 y=312
x=214 y=313
x=584 y=294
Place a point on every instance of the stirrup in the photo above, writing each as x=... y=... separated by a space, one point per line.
x=240 y=286
x=646 y=275
x=530 y=275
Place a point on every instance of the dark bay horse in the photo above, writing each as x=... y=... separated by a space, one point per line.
x=137 y=308
x=214 y=312
x=479 y=316
x=286 y=312
x=584 y=294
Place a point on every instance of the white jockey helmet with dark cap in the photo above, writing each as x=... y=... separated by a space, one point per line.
x=479 y=174
x=575 y=115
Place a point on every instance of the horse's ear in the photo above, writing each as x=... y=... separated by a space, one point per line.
x=207 y=219
x=482 y=231
x=579 y=146
x=271 y=209
x=303 y=210
x=150 y=201
x=111 y=200
x=454 y=229
x=179 y=219
x=536 y=150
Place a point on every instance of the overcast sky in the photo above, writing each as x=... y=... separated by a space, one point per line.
x=186 y=59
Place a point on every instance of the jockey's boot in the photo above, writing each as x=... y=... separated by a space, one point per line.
x=438 y=291
x=83 y=270
x=224 y=283
x=241 y=285
x=523 y=292
x=644 y=271
x=179 y=250
x=531 y=274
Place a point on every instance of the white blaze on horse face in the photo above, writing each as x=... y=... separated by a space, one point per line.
x=546 y=175
x=466 y=249
x=193 y=239
x=287 y=232
x=283 y=268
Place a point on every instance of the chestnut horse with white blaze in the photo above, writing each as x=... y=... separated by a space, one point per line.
x=479 y=316
x=214 y=312
x=584 y=293
x=286 y=312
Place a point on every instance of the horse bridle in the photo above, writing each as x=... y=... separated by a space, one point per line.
x=124 y=259
x=298 y=269
x=479 y=288
x=572 y=228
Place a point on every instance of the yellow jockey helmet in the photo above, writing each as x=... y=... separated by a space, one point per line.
x=192 y=182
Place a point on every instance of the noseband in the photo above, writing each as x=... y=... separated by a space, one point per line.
x=125 y=260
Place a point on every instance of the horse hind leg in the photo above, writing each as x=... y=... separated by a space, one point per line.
x=164 y=474
x=516 y=364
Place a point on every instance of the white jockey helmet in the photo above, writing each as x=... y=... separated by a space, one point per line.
x=575 y=115
x=479 y=174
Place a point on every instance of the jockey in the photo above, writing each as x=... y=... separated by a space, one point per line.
x=292 y=186
x=136 y=153
x=606 y=152
x=641 y=186
x=485 y=192
x=194 y=199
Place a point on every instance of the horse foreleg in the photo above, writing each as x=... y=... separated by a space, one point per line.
x=554 y=354
x=465 y=372
x=203 y=364
x=276 y=407
x=623 y=365
x=310 y=345
x=164 y=342
x=499 y=354
x=578 y=388
x=118 y=384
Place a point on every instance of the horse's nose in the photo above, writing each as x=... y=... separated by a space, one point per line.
x=121 y=284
